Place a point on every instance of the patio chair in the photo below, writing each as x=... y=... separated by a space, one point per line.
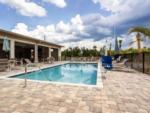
x=4 y=64
x=50 y=60
x=29 y=63
x=84 y=59
x=107 y=62
x=118 y=59
x=123 y=63
x=92 y=58
x=15 y=64
x=19 y=61
x=88 y=59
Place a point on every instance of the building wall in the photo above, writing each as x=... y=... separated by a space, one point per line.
x=32 y=41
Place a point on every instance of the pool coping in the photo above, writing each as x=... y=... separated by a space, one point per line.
x=99 y=83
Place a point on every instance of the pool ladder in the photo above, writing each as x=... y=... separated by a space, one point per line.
x=25 y=77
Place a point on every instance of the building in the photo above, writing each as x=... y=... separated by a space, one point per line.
x=22 y=46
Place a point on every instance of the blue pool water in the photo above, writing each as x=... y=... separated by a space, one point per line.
x=67 y=73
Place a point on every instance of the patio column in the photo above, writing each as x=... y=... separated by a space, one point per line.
x=12 y=49
x=36 y=53
x=59 y=54
x=49 y=55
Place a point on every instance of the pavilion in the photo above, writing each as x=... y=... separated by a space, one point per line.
x=22 y=46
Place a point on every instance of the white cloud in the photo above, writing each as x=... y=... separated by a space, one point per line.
x=77 y=23
x=25 y=7
x=87 y=43
x=62 y=27
x=123 y=13
x=123 y=10
x=63 y=37
x=111 y=5
x=21 y=28
x=58 y=3
x=29 y=8
x=58 y=33
x=64 y=33
x=104 y=30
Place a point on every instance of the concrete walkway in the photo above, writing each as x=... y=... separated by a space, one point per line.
x=123 y=92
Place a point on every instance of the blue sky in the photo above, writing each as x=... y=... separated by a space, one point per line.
x=74 y=22
x=54 y=14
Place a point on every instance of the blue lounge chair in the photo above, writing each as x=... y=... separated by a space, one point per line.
x=107 y=62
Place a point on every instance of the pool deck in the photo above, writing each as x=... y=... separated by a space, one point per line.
x=124 y=91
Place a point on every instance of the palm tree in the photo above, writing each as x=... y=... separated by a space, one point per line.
x=120 y=43
x=110 y=46
x=138 y=41
x=144 y=31
x=94 y=47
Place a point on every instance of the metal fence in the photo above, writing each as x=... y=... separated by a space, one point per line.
x=139 y=61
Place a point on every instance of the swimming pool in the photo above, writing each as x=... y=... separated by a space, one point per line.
x=76 y=73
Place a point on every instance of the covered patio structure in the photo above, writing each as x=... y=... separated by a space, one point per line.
x=22 y=47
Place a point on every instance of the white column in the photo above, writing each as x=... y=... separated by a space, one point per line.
x=36 y=53
x=59 y=54
x=12 y=49
x=49 y=53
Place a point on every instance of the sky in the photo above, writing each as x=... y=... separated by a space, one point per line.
x=72 y=23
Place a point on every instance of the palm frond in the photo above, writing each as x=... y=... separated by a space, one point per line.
x=132 y=43
x=143 y=30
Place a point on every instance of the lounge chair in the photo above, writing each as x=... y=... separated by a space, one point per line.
x=15 y=64
x=123 y=63
x=50 y=60
x=19 y=61
x=29 y=63
x=4 y=64
x=107 y=62
x=118 y=59
x=84 y=59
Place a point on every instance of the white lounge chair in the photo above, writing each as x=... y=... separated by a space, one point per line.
x=29 y=63
x=118 y=59
x=121 y=64
x=50 y=60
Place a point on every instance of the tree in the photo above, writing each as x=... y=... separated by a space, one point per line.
x=94 y=51
x=120 y=43
x=109 y=51
x=144 y=31
x=77 y=52
x=94 y=47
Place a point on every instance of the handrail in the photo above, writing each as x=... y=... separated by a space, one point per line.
x=25 y=77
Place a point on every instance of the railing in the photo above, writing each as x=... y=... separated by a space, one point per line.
x=139 y=61
x=25 y=75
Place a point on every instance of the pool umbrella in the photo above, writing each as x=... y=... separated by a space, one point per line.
x=6 y=46
x=116 y=45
